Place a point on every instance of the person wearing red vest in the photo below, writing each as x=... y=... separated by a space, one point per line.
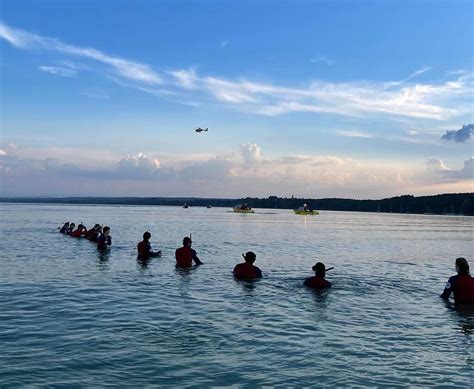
x=318 y=281
x=247 y=270
x=144 y=248
x=79 y=232
x=93 y=233
x=186 y=255
x=461 y=285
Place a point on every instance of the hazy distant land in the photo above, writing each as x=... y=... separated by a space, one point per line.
x=453 y=203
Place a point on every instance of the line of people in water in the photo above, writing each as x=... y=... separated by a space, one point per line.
x=460 y=285
x=97 y=234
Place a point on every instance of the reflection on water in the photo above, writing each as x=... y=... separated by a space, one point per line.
x=86 y=316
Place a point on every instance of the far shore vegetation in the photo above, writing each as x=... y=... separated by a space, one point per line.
x=441 y=204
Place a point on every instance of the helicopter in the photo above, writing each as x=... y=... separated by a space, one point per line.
x=199 y=129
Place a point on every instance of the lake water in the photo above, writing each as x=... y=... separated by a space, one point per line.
x=69 y=315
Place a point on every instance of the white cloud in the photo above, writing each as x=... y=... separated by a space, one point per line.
x=447 y=174
x=354 y=134
x=2 y=152
x=58 y=71
x=440 y=101
x=128 y=69
x=251 y=153
x=185 y=78
x=241 y=173
x=437 y=165
x=138 y=166
x=322 y=59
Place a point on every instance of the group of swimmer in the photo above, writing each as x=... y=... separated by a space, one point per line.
x=97 y=234
x=460 y=285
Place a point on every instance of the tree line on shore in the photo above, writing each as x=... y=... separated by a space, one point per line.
x=452 y=203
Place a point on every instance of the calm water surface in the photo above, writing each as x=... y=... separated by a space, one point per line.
x=69 y=315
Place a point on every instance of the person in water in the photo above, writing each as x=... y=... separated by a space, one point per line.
x=64 y=228
x=80 y=231
x=144 y=248
x=318 y=281
x=104 y=239
x=93 y=233
x=70 y=229
x=461 y=285
x=247 y=270
x=186 y=255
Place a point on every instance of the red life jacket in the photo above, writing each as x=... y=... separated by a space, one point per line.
x=317 y=283
x=143 y=249
x=463 y=290
x=184 y=257
x=246 y=271
x=76 y=234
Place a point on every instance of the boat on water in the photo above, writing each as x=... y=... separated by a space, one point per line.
x=209 y=206
x=185 y=205
x=305 y=210
x=243 y=208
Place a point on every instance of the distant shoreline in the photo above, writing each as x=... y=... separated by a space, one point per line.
x=441 y=204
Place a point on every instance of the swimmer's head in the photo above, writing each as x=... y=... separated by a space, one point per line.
x=462 y=267
x=319 y=269
x=249 y=257
x=187 y=241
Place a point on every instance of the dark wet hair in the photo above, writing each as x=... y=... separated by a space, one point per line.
x=319 y=269
x=105 y=229
x=250 y=256
x=187 y=240
x=146 y=235
x=463 y=266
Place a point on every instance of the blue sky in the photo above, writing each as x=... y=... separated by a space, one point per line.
x=311 y=98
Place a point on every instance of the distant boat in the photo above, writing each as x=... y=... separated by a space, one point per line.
x=304 y=210
x=243 y=208
x=209 y=206
x=185 y=205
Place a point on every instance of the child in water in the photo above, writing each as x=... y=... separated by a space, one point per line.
x=461 y=285
x=104 y=239
x=247 y=270
x=144 y=248
x=318 y=281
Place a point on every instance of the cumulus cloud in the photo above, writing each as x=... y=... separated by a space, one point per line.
x=138 y=166
x=437 y=165
x=460 y=135
x=245 y=172
x=58 y=71
x=466 y=173
x=251 y=153
x=446 y=173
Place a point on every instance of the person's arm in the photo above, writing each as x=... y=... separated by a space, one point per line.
x=307 y=282
x=258 y=272
x=109 y=240
x=448 y=288
x=197 y=261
